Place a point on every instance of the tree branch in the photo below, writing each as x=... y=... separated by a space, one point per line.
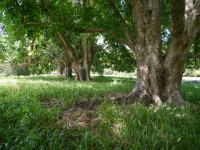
x=116 y=11
x=127 y=31
x=177 y=11
x=92 y=30
x=68 y=48
x=193 y=22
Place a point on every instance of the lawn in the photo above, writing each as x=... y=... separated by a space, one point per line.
x=55 y=113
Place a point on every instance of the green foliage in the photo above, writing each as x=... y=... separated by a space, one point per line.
x=24 y=59
x=49 y=17
x=99 y=62
x=193 y=61
x=120 y=58
x=27 y=19
x=114 y=56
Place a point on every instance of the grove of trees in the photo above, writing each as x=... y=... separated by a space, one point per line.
x=157 y=38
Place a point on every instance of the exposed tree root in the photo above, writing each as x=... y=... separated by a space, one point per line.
x=175 y=98
x=49 y=102
x=91 y=104
x=82 y=113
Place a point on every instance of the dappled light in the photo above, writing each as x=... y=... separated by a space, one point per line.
x=99 y=74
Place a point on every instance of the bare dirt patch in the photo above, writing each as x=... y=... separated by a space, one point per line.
x=90 y=104
x=118 y=98
x=79 y=118
x=49 y=102
x=81 y=114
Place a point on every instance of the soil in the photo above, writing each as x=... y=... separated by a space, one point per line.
x=82 y=113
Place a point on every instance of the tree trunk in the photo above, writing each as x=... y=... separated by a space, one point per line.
x=76 y=65
x=174 y=73
x=148 y=45
x=185 y=27
x=68 y=70
x=87 y=48
x=174 y=68
x=60 y=68
x=158 y=79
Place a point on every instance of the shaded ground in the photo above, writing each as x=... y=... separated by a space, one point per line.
x=52 y=113
x=82 y=112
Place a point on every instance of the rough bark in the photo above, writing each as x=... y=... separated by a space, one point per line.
x=174 y=62
x=185 y=27
x=158 y=79
x=147 y=49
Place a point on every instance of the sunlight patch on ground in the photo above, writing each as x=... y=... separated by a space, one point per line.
x=116 y=82
x=8 y=81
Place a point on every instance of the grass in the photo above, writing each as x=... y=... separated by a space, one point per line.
x=27 y=124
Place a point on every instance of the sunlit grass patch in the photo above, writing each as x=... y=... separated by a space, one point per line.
x=36 y=113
